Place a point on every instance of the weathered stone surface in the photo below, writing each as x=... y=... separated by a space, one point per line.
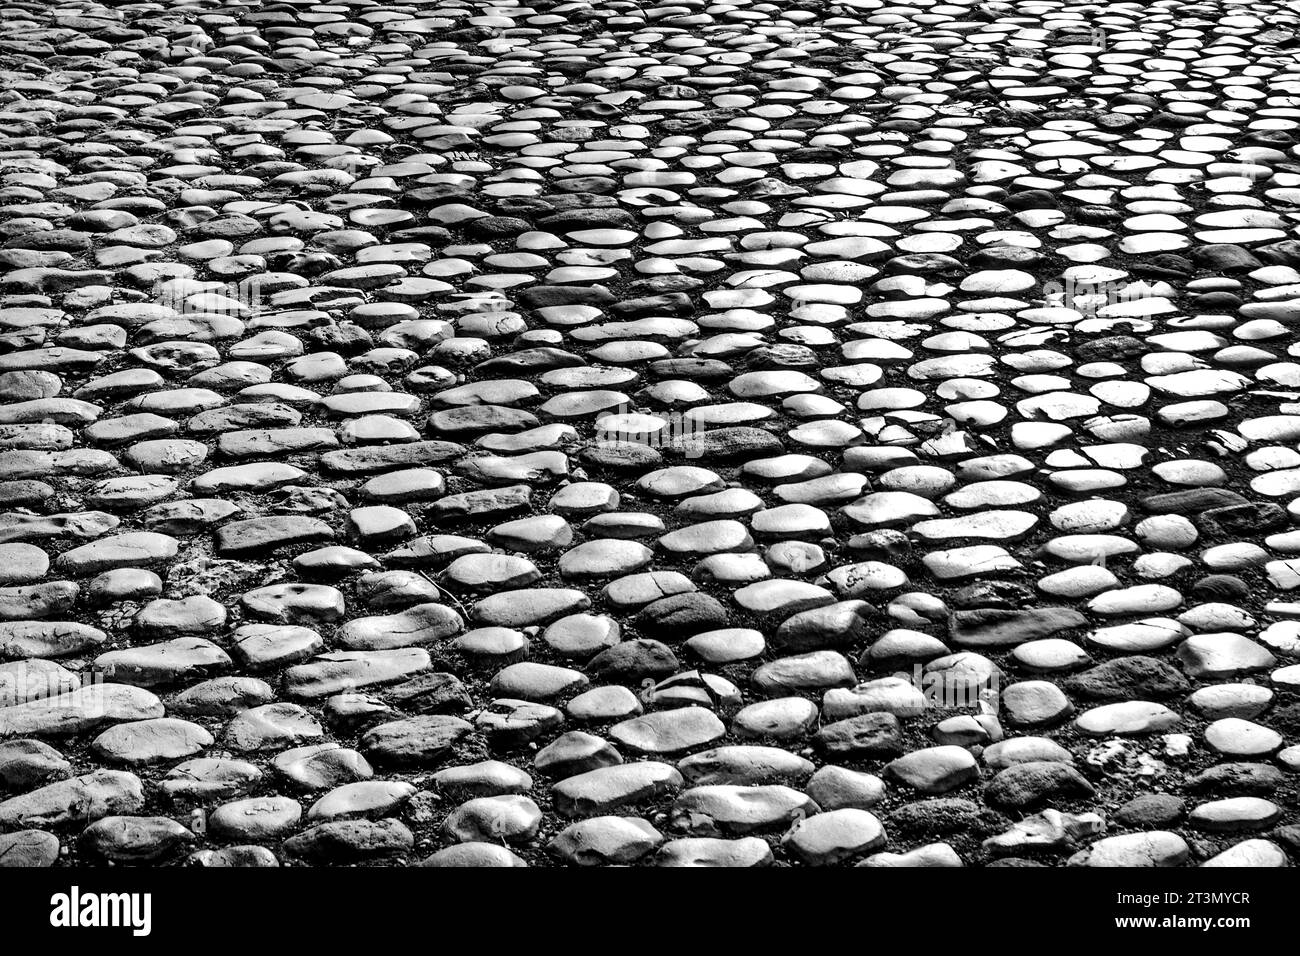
x=1002 y=628
x=417 y=740
x=79 y=710
x=79 y=800
x=610 y=430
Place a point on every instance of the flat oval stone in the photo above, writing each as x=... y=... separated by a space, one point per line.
x=669 y=731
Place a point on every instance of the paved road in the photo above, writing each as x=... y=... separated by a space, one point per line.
x=695 y=434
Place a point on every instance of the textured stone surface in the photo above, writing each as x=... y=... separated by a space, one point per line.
x=501 y=434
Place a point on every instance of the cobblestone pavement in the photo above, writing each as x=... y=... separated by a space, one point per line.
x=500 y=434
